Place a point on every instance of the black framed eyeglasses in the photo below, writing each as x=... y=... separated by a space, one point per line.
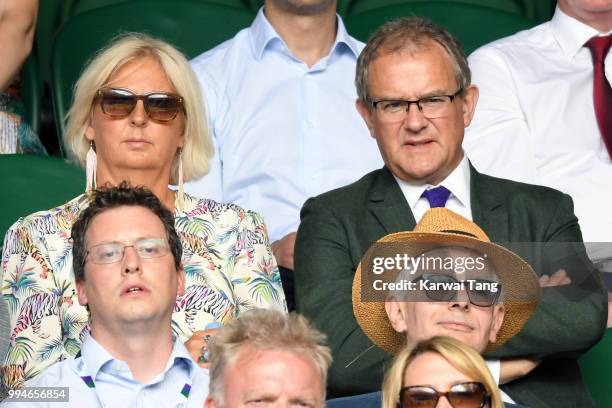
x=434 y=106
x=112 y=252
x=462 y=395
x=120 y=102
x=442 y=288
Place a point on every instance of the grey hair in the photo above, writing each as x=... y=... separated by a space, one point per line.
x=409 y=34
x=263 y=329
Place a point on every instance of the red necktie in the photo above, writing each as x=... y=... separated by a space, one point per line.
x=602 y=92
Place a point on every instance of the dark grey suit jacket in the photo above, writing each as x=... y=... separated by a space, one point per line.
x=339 y=226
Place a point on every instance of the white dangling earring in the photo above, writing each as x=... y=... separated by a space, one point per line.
x=91 y=163
x=180 y=176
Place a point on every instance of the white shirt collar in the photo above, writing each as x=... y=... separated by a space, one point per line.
x=458 y=182
x=570 y=34
x=262 y=34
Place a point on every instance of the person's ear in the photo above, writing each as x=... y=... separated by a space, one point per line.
x=469 y=99
x=498 y=319
x=396 y=315
x=89 y=130
x=210 y=402
x=366 y=114
x=81 y=292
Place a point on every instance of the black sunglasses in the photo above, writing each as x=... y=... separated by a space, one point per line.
x=479 y=291
x=159 y=106
x=463 y=395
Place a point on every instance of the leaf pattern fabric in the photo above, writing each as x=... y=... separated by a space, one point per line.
x=227 y=259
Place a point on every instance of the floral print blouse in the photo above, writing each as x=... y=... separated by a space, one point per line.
x=16 y=135
x=227 y=259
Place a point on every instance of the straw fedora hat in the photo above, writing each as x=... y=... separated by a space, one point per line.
x=442 y=227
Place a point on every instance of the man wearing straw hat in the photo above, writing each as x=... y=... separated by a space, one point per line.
x=459 y=284
x=414 y=62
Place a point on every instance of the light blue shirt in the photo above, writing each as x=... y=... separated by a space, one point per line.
x=114 y=384
x=283 y=132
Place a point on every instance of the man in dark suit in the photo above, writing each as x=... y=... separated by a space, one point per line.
x=413 y=62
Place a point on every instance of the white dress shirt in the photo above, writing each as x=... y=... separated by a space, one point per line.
x=282 y=131
x=114 y=385
x=458 y=183
x=535 y=121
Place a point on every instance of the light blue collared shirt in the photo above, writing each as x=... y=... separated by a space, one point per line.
x=282 y=131
x=114 y=384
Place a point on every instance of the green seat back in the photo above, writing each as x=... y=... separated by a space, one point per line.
x=472 y=25
x=49 y=21
x=190 y=25
x=33 y=183
x=31 y=91
x=595 y=366
x=342 y=8
x=73 y=7
x=509 y=6
x=538 y=10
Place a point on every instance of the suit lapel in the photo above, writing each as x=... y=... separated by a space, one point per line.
x=388 y=204
x=488 y=207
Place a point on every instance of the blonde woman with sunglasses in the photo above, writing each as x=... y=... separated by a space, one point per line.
x=137 y=116
x=441 y=372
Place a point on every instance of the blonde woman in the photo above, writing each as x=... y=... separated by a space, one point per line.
x=137 y=116
x=440 y=372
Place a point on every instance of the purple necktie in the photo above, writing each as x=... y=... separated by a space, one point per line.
x=436 y=196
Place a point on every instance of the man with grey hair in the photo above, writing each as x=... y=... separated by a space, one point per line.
x=269 y=357
x=407 y=62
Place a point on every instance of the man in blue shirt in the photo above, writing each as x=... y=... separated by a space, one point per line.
x=281 y=103
x=127 y=267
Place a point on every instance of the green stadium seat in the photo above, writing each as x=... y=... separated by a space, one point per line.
x=539 y=10
x=596 y=365
x=472 y=25
x=31 y=91
x=254 y=5
x=49 y=21
x=509 y=6
x=33 y=183
x=191 y=25
x=343 y=5
x=74 y=7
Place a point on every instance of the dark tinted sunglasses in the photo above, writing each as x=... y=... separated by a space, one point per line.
x=120 y=102
x=463 y=395
x=478 y=292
